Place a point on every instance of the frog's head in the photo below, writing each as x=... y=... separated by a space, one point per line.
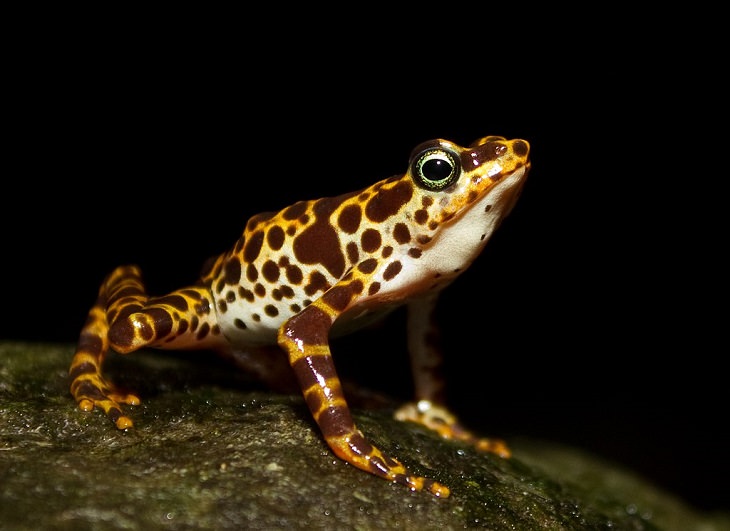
x=456 y=176
x=465 y=192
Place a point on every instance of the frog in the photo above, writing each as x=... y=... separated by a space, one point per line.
x=313 y=271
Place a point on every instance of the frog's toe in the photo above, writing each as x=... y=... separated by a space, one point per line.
x=495 y=446
x=418 y=483
x=94 y=392
x=125 y=398
x=443 y=422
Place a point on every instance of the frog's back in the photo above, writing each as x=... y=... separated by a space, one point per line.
x=405 y=237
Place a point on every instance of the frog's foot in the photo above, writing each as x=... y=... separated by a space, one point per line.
x=440 y=420
x=92 y=390
x=354 y=449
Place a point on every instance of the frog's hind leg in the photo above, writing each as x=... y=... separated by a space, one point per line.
x=121 y=291
x=125 y=319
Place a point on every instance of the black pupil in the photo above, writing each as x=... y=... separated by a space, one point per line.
x=436 y=169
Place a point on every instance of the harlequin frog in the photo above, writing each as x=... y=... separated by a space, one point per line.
x=316 y=269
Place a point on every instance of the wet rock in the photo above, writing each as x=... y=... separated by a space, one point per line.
x=210 y=449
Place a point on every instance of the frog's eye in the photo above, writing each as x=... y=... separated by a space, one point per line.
x=435 y=169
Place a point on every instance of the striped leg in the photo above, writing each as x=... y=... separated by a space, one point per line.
x=305 y=339
x=121 y=292
x=125 y=319
x=426 y=362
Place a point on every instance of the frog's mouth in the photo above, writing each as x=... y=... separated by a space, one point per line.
x=497 y=200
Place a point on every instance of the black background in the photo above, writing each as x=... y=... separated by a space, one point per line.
x=592 y=317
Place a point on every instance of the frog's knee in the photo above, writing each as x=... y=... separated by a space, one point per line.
x=137 y=330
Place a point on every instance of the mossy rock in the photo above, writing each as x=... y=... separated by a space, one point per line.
x=210 y=450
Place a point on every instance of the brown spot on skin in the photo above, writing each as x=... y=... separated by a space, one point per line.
x=349 y=219
x=275 y=237
x=421 y=216
x=252 y=274
x=293 y=272
x=203 y=332
x=192 y=293
x=314 y=400
x=310 y=326
x=353 y=254
x=253 y=246
x=433 y=225
x=317 y=282
x=216 y=330
x=194 y=322
x=257 y=219
x=319 y=243
x=487 y=208
x=415 y=252
x=387 y=251
x=220 y=285
x=90 y=343
x=122 y=333
x=359 y=442
x=239 y=324
x=230 y=297
x=427 y=201
x=373 y=288
x=370 y=240
x=471 y=197
x=338 y=297
x=203 y=307
x=293 y=212
x=127 y=291
x=256 y=317
x=246 y=294
x=388 y=202
x=291 y=230
x=270 y=271
x=162 y=320
x=520 y=148
x=295 y=308
x=368 y=266
x=286 y=291
x=232 y=270
x=83 y=368
x=335 y=421
x=294 y=275
x=222 y=306
x=271 y=310
x=401 y=233
x=490 y=150
x=277 y=294
x=259 y=290
x=238 y=247
x=392 y=270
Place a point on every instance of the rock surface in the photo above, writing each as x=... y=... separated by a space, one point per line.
x=211 y=450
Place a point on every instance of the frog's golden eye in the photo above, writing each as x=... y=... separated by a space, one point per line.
x=435 y=169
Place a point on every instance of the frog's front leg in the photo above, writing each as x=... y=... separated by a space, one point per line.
x=429 y=408
x=305 y=339
x=126 y=319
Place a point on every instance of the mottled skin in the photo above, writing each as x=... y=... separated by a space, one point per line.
x=319 y=268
